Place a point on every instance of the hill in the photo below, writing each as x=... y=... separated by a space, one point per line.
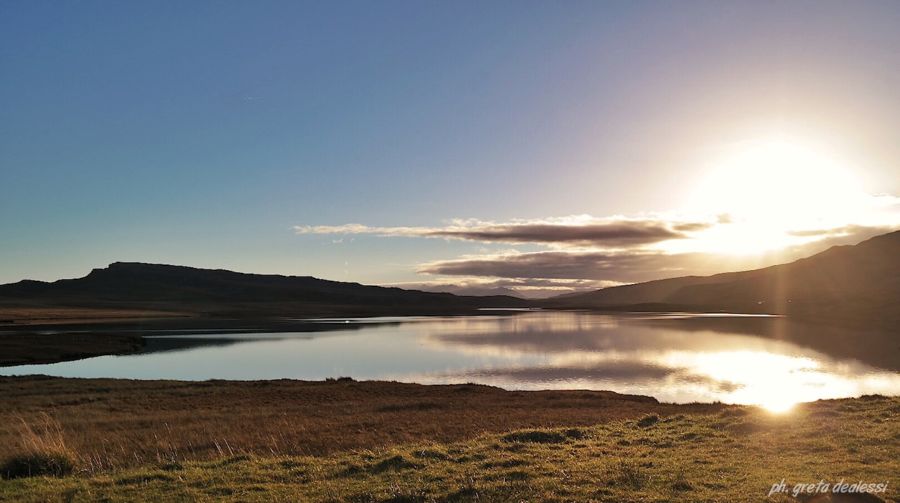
x=157 y=287
x=859 y=283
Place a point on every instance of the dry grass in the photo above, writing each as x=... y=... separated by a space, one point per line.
x=112 y=424
x=735 y=456
x=26 y=315
x=40 y=450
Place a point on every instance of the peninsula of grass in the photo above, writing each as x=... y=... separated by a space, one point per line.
x=31 y=348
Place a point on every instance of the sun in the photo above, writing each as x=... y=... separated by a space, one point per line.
x=773 y=190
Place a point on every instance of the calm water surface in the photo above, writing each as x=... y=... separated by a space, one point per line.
x=677 y=358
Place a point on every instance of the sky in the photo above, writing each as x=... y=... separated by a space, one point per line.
x=543 y=146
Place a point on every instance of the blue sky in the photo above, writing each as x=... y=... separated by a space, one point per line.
x=206 y=133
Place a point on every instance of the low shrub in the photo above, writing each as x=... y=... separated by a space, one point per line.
x=648 y=421
x=43 y=451
x=36 y=464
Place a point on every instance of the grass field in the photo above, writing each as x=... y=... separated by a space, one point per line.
x=352 y=441
x=112 y=423
x=736 y=454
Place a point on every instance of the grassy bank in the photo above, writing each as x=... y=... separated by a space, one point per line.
x=34 y=348
x=733 y=454
x=17 y=314
x=112 y=424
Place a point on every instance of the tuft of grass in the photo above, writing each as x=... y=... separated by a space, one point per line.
x=648 y=420
x=53 y=464
x=630 y=475
x=535 y=436
x=680 y=483
x=43 y=451
x=576 y=434
x=393 y=463
x=417 y=406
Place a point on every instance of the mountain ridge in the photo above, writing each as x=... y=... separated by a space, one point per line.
x=223 y=292
x=853 y=281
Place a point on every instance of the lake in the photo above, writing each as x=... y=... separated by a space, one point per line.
x=674 y=357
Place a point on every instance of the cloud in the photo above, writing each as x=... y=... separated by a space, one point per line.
x=613 y=370
x=591 y=265
x=853 y=232
x=627 y=373
x=579 y=231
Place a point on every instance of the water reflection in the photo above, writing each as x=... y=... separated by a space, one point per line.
x=682 y=358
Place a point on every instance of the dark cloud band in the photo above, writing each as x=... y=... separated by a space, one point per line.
x=580 y=231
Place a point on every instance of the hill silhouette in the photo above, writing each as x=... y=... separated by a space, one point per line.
x=127 y=285
x=859 y=283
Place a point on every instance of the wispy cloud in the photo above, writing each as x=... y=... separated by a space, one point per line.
x=562 y=264
x=579 y=231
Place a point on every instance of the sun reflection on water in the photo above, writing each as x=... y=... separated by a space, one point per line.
x=775 y=382
x=665 y=361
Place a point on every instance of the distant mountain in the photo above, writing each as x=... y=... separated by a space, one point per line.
x=858 y=283
x=470 y=290
x=227 y=293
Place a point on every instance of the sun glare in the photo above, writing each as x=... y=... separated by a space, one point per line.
x=771 y=190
